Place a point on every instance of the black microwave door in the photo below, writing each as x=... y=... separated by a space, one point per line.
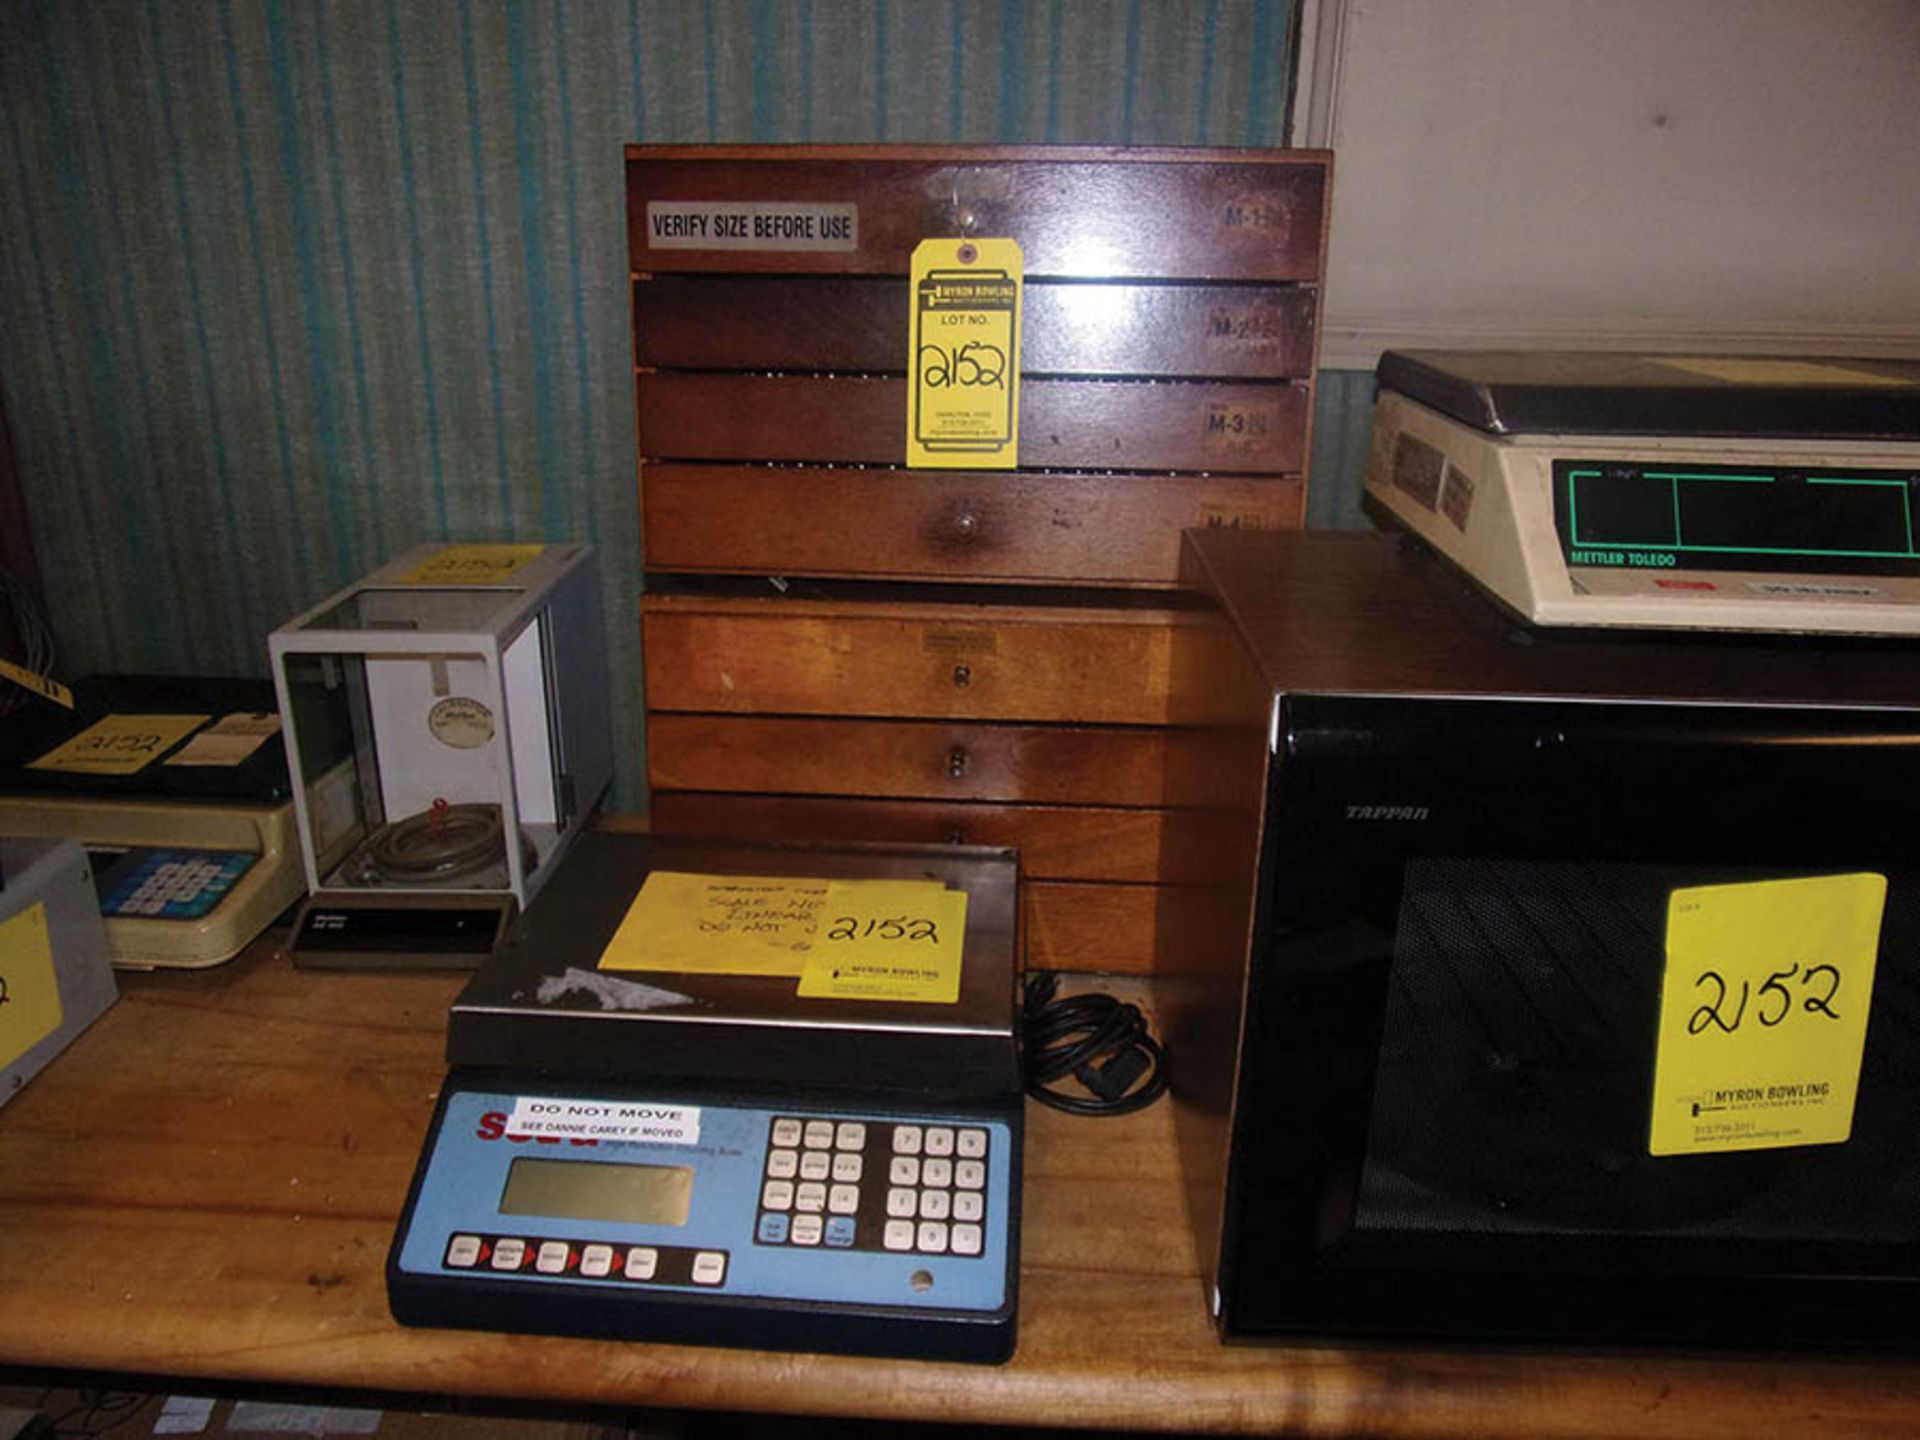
x=1442 y=1126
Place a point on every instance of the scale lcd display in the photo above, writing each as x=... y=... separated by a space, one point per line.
x=1662 y=516
x=587 y=1190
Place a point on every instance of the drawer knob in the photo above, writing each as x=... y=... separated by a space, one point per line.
x=957 y=761
x=956 y=836
x=962 y=676
x=966 y=524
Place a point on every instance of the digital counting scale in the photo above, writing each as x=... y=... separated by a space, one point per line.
x=1662 y=492
x=713 y=1159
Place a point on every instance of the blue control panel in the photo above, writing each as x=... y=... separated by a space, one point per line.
x=168 y=883
x=648 y=1204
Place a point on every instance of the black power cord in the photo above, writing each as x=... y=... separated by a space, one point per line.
x=1101 y=1042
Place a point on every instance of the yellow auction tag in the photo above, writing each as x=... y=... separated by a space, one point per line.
x=39 y=684
x=888 y=940
x=29 y=990
x=718 y=924
x=963 y=392
x=472 y=565
x=119 y=744
x=1763 y=1013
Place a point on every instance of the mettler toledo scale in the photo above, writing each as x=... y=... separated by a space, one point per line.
x=1662 y=492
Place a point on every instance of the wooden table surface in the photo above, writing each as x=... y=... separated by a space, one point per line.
x=204 y=1187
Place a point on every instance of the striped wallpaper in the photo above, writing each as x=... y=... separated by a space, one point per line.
x=289 y=285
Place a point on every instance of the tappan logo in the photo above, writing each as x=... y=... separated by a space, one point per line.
x=1387 y=812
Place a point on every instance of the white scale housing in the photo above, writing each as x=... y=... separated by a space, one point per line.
x=462 y=699
x=1662 y=493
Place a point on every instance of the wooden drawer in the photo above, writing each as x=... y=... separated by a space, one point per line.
x=1091 y=927
x=859 y=323
x=1056 y=842
x=907 y=759
x=1119 y=530
x=1236 y=427
x=1190 y=215
x=985 y=662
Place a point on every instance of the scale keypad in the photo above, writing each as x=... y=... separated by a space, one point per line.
x=874 y=1185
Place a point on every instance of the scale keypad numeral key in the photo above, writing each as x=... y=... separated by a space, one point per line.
x=875 y=1185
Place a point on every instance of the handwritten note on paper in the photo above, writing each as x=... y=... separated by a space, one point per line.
x=1763 y=1013
x=888 y=940
x=229 y=741
x=29 y=989
x=119 y=744
x=718 y=924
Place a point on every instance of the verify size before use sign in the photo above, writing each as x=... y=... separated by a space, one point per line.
x=751 y=225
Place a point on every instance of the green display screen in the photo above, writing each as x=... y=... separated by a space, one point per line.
x=598 y=1190
x=1726 y=517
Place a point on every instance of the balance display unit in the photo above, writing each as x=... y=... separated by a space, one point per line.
x=1662 y=492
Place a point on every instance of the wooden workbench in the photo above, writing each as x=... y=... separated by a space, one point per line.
x=204 y=1186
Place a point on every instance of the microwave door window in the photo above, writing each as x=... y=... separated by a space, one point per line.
x=1515 y=1074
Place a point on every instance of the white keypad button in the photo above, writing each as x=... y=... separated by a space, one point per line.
x=463 y=1251
x=786 y=1133
x=777 y=1195
x=971 y=1144
x=936 y=1172
x=709 y=1267
x=966 y=1239
x=906 y=1139
x=905 y=1170
x=552 y=1259
x=939 y=1140
x=843 y=1199
x=509 y=1254
x=850 y=1135
x=642 y=1261
x=815 y=1165
x=903 y=1201
x=969 y=1205
x=819 y=1134
x=847 y=1168
x=933 y=1204
x=807 y=1229
x=783 y=1164
x=810 y=1196
x=898 y=1235
x=969 y=1174
x=596 y=1261
x=931 y=1237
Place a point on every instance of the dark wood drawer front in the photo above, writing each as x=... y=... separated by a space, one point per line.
x=767 y=657
x=1064 y=424
x=816 y=323
x=1055 y=842
x=958 y=525
x=1084 y=213
x=906 y=759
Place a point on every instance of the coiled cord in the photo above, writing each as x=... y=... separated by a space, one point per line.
x=1097 y=1040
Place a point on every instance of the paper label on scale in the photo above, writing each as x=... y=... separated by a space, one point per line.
x=542 y=1117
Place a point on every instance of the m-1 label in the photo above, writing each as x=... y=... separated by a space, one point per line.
x=545 y=1117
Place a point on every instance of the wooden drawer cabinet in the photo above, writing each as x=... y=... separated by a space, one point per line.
x=954 y=655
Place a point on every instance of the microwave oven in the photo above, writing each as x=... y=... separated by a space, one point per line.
x=1499 y=965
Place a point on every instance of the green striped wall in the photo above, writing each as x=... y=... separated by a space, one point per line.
x=286 y=287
